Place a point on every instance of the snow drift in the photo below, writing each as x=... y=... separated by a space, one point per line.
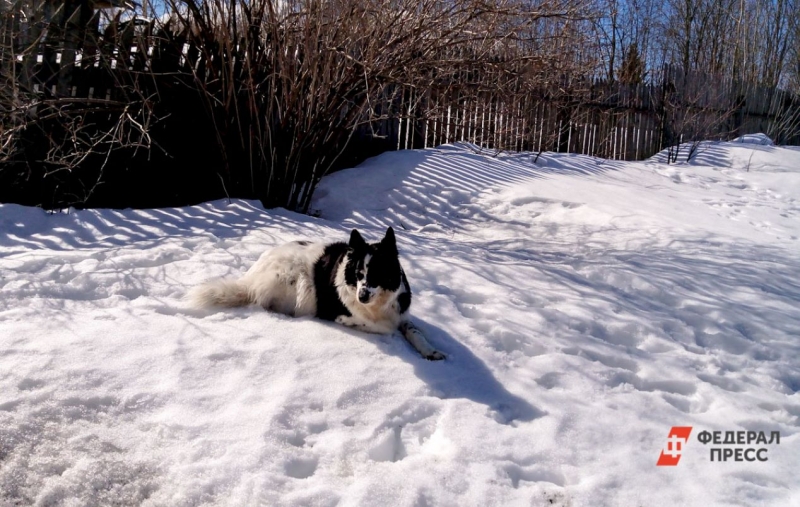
x=586 y=306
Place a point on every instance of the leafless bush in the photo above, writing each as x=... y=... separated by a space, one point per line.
x=288 y=83
x=279 y=88
x=693 y=110
x=51 y=136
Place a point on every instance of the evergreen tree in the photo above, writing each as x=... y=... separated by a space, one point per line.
x=632 y=69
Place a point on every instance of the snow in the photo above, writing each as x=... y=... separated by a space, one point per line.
x=586 y=306
x=761 y=139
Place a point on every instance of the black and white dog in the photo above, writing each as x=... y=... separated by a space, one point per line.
x=358 y=284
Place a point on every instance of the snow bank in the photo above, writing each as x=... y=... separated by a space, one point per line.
x=760 y=139
x=586 y=306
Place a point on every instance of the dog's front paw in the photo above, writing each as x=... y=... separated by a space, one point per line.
x=435 y=356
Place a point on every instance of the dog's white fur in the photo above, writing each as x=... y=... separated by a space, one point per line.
x=282 y=280
x=381 y=315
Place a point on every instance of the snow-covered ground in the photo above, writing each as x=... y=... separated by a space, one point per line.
x=586 y=306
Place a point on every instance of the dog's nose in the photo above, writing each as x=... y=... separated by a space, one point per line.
x=363 y=295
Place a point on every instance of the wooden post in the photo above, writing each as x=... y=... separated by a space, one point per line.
x=76 y=16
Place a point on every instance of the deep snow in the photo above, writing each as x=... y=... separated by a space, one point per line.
x=586 y=306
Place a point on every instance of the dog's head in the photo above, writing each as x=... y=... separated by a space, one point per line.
x=373 y=268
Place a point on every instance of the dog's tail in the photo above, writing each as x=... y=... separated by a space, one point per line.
x=228 y=293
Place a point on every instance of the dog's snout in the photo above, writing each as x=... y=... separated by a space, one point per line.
x=363 y=295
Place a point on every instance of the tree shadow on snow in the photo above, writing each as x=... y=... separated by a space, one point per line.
x=24 y=227
x=435 y=186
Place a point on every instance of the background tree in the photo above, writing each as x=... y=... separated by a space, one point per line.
x=632 y=70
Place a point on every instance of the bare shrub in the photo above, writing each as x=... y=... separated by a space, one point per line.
x=268 y=92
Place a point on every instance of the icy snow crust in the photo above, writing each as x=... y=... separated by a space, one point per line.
x=586 y=306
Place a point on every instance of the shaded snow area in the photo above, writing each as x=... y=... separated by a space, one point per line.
x=586 y=307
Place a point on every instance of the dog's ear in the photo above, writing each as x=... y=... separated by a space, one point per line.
x=389 y=243
x=356 y=241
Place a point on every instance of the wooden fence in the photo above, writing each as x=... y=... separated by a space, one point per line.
x=593 y=117
x=608 y=120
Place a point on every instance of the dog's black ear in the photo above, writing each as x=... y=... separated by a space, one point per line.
x=389 y=243
x=356 y=241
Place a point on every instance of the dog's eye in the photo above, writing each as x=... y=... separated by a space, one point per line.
x=360 y=276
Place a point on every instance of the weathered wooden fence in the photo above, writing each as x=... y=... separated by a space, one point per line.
x=610 y=120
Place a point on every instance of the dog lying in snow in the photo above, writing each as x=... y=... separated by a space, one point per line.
x=358 y=284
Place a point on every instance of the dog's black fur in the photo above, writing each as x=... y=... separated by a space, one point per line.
x=358 y=284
